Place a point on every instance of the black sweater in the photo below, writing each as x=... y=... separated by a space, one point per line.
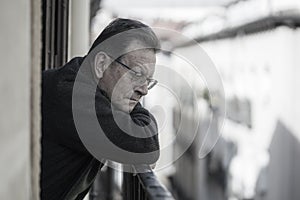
x=68 y=168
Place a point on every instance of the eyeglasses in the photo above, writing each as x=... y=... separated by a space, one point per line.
x=138 y=76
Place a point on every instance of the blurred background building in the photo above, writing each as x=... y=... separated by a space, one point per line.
x=252 y=151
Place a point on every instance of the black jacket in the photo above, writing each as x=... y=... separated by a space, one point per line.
x=68 y=168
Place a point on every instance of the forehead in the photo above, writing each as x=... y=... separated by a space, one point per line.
x=144 y=59
x=147 y=56
x=137 y=51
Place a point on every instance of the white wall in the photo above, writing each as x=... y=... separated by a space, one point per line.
x=15 y=100
x=265 y=69
x=79 y=27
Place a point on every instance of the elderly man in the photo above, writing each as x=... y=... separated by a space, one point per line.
x=107 y=84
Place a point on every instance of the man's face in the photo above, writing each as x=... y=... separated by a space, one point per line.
x=124 y=88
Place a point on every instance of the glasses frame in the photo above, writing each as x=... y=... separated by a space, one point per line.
x=138 y=74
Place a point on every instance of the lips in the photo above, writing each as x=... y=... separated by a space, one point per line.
x=135 y=98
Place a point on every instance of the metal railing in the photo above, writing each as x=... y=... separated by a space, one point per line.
x=144 y=186
x=132 y=186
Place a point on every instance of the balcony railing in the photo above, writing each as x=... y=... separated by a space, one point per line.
x=134 y=186
x=144 y=186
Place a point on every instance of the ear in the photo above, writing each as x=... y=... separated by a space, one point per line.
x=100 y=64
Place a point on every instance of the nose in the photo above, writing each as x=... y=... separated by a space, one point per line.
x=142 y=89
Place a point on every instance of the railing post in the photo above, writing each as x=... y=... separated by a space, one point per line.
x=104 y=186
x=127 y=186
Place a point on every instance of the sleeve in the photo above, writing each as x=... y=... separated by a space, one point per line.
x=112 y=134
x=58 y=126
x=137 y=136
x=135 y=132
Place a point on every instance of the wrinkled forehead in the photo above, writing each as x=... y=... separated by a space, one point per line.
x=137 y=48
x=143 y=58
x=148 y=56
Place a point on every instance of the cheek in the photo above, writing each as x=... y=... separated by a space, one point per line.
x=124 y=86
x=122 y=91
x=126 y=93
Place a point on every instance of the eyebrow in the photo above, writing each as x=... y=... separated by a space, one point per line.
x=140 y=66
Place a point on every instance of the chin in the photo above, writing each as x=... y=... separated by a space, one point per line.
x=131 y=106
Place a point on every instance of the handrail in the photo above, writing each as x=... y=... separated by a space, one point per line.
x=144 y=186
